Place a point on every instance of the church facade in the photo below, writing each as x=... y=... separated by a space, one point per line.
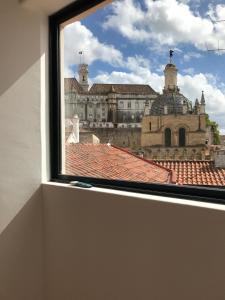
x=172 y=128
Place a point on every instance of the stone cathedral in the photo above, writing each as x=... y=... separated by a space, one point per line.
x=172 y=128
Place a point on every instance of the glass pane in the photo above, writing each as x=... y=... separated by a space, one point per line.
x=143 y=92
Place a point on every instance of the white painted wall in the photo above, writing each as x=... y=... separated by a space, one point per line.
x=113 y=245
x=22 y=98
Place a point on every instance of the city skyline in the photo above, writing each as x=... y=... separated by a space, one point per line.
x=135 y=49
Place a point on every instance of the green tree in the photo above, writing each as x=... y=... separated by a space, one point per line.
x=215 y=130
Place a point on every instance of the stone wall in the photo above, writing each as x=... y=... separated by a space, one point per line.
x=220 y=159
x=121 y=137
x=175 y=153
x=153 y=129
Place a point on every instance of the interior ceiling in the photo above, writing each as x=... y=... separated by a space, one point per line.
x=47 y=6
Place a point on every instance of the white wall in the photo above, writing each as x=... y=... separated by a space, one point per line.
x=22 y=53
x=20 y=98
x=106 y=246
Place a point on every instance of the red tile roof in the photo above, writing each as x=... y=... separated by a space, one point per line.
x=110 y=162
x=195 y=172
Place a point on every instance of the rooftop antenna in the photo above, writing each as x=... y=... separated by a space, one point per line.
x=215 y=50
x=218 y=47
x=218 y=21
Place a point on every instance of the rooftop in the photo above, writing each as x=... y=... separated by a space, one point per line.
x=195 y=172
x=71 y=84
x=109 y=162
x=140 y=89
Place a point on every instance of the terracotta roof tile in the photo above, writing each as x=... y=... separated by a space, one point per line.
x=111 y=162
x=195 y=172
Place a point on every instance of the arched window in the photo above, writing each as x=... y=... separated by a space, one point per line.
x=168 y=137
x=182 y=137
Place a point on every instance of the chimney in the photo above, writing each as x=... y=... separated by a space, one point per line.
x=74 y=136
x=219 y=159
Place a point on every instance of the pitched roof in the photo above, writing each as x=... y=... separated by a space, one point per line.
x=72 y=84
x=195 y=172
x=109 y=162
x=140 y=89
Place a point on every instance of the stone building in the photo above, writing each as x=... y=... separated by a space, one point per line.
x=106 y=105
x=171 y=127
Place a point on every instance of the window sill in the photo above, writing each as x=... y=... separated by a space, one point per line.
x=170 y=200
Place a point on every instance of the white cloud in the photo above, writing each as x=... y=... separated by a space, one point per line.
x=166 y=22
x=77 y=38
x=192 y=87
x=138 y=73
x=189 y=71
x=189 y=55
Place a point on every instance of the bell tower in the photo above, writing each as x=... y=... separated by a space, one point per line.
x=170 y=73
x=83 y=76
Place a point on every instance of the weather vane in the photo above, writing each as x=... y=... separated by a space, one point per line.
x=171 y=55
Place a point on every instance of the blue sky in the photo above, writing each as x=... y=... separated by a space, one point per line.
x=128 y=41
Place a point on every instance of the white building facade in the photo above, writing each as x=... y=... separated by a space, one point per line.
x=106 y=105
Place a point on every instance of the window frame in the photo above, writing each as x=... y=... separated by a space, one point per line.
x=197 y=193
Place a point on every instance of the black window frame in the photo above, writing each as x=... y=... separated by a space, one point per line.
x=197 y=193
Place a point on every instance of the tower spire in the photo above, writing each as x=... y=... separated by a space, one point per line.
x=202 y=104
x=203 y=98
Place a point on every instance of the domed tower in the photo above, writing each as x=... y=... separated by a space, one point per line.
x=83 y=76
x=173 y=129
